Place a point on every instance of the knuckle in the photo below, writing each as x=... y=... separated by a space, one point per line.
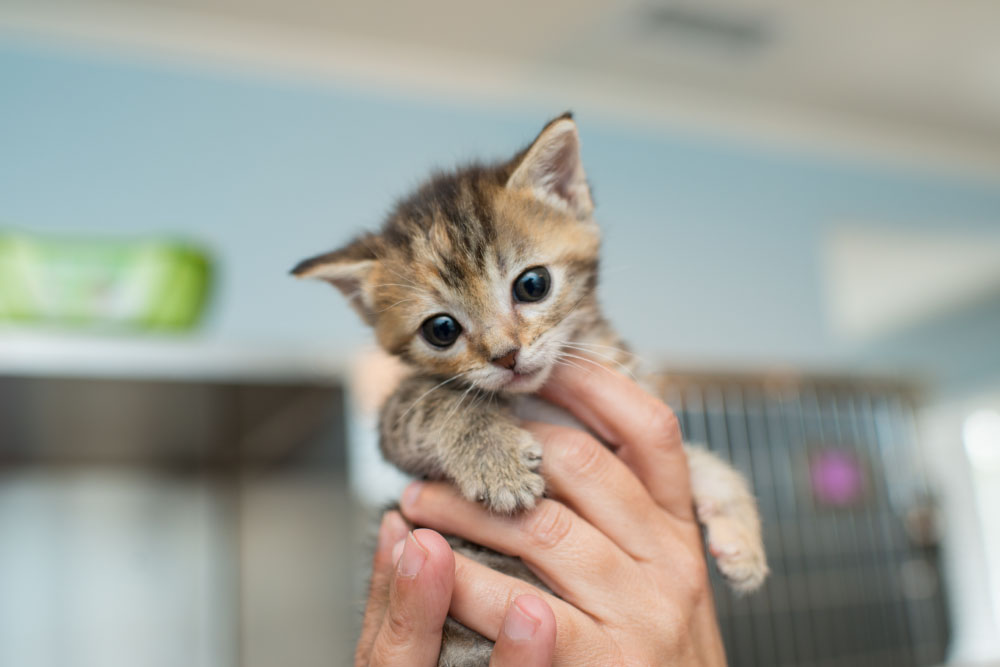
x=580 y=641
x=549 y=525
x=581 y=454
x=663 y=422
x=399 y=626
x=692 y=576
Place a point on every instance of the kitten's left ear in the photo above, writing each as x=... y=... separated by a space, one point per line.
x=552 y=170
x=349 y=269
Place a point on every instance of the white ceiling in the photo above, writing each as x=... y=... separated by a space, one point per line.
x=916 y=74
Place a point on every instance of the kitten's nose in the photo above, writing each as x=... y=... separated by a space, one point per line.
x=508 y=360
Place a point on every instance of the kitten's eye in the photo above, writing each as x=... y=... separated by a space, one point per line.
x=532 y=285
x=441 y=330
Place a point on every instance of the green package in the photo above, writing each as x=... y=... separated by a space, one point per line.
x=101 y=283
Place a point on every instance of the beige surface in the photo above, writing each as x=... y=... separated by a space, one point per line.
x=915 y=79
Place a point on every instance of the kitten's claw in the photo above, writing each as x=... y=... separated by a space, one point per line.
x=531 y=454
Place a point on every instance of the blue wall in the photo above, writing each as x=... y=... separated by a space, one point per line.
x=713 y=247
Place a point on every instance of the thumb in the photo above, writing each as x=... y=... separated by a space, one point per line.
x=419 y=597
x=392 y=530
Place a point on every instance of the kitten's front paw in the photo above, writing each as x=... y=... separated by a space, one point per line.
x=505 y=480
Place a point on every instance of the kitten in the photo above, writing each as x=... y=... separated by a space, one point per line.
x=482 y=281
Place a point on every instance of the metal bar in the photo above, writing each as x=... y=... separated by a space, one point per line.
x=848 y=427
x=783 y=419
x=769 y=493
x=757 y=605
x=888 y=521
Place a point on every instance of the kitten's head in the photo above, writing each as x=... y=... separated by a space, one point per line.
x=484 y=272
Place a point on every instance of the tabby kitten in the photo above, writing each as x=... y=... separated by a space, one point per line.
x=481 y=282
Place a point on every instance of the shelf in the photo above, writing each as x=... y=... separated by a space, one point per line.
x=162 y=357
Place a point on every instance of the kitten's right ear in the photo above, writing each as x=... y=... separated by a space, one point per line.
x=551 y=169
x=349 y=269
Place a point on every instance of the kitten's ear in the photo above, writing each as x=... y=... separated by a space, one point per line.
x=349 y=269
x=552 y=170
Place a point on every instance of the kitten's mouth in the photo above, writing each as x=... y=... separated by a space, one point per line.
x=521 y=379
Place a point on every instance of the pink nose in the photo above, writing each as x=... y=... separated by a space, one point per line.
x=508 y=360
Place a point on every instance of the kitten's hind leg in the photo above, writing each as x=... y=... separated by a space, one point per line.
x=728 y=511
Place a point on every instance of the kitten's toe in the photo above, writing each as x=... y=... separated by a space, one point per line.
x=515 y=494
x=507 y=494
x=738 y=552
x=531 y=454
x=505 y=478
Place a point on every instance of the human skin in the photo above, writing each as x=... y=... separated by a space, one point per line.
x=616 y=538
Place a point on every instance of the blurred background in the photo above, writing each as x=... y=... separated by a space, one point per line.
x=809 y=193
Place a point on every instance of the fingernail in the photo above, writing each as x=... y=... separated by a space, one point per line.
x=411 y=493
x=519 y=625
x=412 y=558
x=397 y=551
x=392 y=530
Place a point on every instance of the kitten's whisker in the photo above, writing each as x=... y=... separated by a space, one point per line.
x=561 y=358
x=411 y=286
x=451 y=413
x=613 y=348
x=589 y=361
x=394 y=305
x=409 y=283
x=426 y=393
x=570 y=364
x=478 y=399
x=401 y=276
x=583 y=347
x=575 y=305
x=600 y=345
x=620 y=365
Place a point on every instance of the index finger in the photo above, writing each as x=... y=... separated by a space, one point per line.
x=585 y=475
x=642 y=429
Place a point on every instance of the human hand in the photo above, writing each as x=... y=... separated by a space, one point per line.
x=616 y=539
x=411 y=589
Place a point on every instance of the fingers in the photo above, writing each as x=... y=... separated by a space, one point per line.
x=528 y=635
x=392 y=530
x=419 y=595
x=482 y=600
x=567 y=553
x=644 y=431
x=584 y=474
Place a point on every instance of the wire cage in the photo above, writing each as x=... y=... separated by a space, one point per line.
x=847 y=515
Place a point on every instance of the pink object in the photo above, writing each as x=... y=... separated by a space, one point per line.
x=837 y=477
